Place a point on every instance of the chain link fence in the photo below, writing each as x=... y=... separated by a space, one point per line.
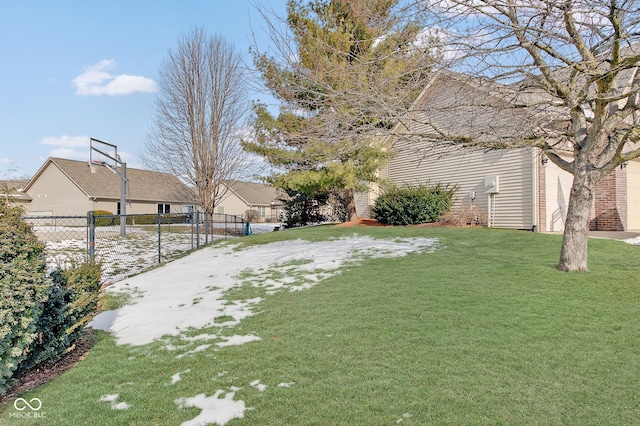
x=143 y=241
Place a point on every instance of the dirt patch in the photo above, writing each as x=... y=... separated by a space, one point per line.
x=361 y=222
x=48 y=371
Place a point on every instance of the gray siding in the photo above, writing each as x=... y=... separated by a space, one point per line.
x=362 y=204
x=417 y=163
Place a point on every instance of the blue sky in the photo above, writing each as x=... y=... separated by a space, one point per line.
x=79 y=69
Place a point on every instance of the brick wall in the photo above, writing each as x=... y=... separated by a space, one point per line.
x=610 y=202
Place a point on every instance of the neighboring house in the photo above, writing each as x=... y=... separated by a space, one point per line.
x=528 y=192
x=14 y=192
x=69 y=187
x=244 y=196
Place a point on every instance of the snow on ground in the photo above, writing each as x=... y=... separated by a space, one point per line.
x=111 y=398
x=215 y=410
x=635 y=241
x=190 y=292
x=237 y=340
x=257 y=385
x=121 y=256
x=176 y=377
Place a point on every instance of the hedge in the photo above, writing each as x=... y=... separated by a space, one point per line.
x=24 y=286
x=413 y=204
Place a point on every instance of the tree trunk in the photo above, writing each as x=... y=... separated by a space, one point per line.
x=352 y=213
x=573 y=255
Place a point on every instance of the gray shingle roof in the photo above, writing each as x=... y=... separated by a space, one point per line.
x=15 y=189
x=144 y=185
x=255 y=194
x=463 y=106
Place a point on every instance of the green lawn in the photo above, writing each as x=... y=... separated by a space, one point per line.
x=482 y=331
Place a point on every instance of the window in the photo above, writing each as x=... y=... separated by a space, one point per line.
x=118 y=208
x=221 y=209
x=262 y=211
x=164 y=208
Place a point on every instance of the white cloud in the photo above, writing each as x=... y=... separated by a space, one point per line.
x=71 y=154
x=66 y=141
x=6 y=161
x=96 y=80
x=65 y=146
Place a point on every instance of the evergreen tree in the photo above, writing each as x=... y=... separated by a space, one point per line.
x=24 y=287
x=343 y=71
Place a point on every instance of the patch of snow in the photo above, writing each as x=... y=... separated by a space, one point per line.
x=237 y=340
x=176 y=377
x=162 y=300
x=215 y=410
x=635 y=241
x=114 y=405
x=120 y=406
x=193 y=351
x=404 y=416
x=263 y=228
x=199 y=337
x=260 y=386
x=109 y=397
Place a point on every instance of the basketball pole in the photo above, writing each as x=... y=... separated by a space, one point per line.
x=122 y=174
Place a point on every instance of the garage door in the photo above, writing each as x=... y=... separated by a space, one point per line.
x=633 y=195
x=558 y=186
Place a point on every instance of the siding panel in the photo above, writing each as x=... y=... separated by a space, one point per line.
x=418 y=163
x=633 y=195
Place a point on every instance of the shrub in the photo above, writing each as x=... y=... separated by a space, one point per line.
x=83 y=282
x=413 y=204
x=100 y=220
x=146 y=219
x=302 y=208
x=465 y=214
x=23 y=287
x=252 y=216
x=152 y=219
x=71 y=304
x=109 y=220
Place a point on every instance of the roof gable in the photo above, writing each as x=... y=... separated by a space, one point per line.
x=254 y=193
x=454 y=107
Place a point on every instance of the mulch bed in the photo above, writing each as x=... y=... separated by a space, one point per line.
x=361 y=222
x=48 y=371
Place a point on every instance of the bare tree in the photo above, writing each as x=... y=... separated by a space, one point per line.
x=199 y=115
x=565 y=72
x=572 y=66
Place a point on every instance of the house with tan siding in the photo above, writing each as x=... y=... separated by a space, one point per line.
x=12 y=191
x=69 y=187
x=243 y=196
x=530 y=191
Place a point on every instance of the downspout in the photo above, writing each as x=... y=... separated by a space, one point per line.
x=536 y=196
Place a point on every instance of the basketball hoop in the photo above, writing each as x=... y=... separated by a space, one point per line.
x=112 y=155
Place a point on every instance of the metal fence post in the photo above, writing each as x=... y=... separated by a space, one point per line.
x=191 y=216
x=198 y=228
x=159 y=232
x=92 y=235
x=207 y=224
